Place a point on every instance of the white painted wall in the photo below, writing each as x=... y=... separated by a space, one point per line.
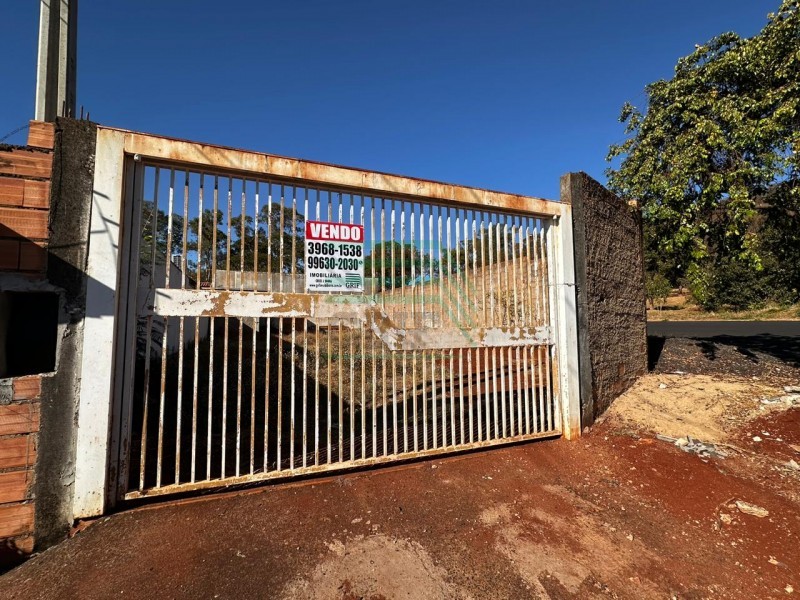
x=94 y=412
x=566 y=321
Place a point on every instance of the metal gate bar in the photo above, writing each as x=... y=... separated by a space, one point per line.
x=241 y=376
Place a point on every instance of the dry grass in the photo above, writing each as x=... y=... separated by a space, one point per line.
x=369 y=374
x=679 y=307
x=364 y=372
x=507 y=294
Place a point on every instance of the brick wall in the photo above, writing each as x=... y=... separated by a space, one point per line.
x=25 y=201
x=25 y=174
x=609 y=276
x=19 y=425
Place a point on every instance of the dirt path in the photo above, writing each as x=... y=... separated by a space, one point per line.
x=616 y=514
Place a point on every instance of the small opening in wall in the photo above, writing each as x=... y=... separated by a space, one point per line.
x=28 y=333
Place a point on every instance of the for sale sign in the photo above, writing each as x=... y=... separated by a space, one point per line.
x=334 y=257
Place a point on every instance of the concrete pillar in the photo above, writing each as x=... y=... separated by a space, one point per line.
x=57 y=59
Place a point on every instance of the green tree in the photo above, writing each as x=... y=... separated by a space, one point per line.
x=390 y=261
x=274 y=237
x=657 y=290
x=715 y=151
x=279 y=230
x=203 y=243
x=155 y=230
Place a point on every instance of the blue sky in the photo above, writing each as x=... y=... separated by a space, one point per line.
x=503 y=95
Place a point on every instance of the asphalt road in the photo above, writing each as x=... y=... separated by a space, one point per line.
x=708 y=329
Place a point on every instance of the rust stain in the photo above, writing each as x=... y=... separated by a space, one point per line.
x=385 y=329
x=218 y=305
x=340 y=466
x=159 y=148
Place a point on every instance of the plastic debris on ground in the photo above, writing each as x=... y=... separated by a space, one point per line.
x=694 y=446
x=789 y=399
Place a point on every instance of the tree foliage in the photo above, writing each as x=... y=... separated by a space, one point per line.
x=278 y=236
x=713 y=158
x=399 y=264
x=393 y=264
x=154 y=230
x=657 y=289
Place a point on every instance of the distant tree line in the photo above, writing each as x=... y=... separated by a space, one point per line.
x=208 y=244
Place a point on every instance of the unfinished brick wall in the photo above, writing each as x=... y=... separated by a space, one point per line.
x=25 y=201
x=25 y=174
x=609 y=276
x=19 y=425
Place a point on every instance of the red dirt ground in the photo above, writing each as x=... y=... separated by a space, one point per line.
x=778 y=432
x=607 y=516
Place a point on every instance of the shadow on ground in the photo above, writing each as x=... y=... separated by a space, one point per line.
x=748 y=356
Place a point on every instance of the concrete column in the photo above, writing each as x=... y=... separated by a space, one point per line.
x=67 y=255
x=57 y=59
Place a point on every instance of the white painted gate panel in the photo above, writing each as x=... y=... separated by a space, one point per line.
x=227 y=372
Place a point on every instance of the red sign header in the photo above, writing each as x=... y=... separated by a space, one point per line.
x=334 y=232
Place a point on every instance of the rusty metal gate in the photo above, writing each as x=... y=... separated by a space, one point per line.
x=232 y=373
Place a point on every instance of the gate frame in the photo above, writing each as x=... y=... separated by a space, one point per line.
x=109 y=279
